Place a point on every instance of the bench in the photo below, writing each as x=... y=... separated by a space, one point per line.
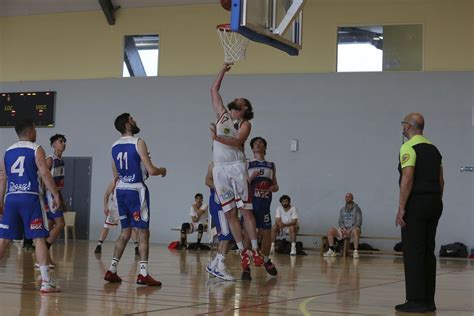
x=345 y=252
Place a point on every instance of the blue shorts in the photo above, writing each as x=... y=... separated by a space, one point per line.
x=263 y=219
x=48 y=205
x=218 y=218
x=23 y=214
x=53 y=215
x=134 y=206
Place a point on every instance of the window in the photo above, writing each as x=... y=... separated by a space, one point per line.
x=140 y=57
x=380 y=48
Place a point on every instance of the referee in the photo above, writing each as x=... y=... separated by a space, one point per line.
x=421 y=191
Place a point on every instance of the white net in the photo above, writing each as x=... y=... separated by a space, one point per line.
x=234 y=44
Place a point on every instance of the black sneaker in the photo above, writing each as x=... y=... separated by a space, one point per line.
x=270 y=267
x=246 y=276
x=98 y=249
x=29 y=247
x=411 y=307
x=137 y=253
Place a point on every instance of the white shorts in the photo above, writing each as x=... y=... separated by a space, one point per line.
x=113 y=219
x=232 y=187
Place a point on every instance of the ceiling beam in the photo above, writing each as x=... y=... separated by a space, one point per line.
x=109 y=10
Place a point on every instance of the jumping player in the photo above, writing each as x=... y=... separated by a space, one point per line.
x=128 y=155
x=20 y=172
x=230 y=167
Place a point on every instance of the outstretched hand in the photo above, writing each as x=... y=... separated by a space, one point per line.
x=227 y=66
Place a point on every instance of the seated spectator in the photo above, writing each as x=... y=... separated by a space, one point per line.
x=286 y=222
x=199 y=219
x=350 y=222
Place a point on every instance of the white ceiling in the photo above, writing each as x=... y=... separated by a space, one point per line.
x=31 y=7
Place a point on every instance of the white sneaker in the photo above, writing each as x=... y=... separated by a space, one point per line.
x=210 y=267
x=293 y=251
x=329 y=253
x=221 y=272
x=355 y=254
x=49 y=287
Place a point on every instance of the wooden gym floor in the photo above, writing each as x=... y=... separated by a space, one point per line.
x=306 y=285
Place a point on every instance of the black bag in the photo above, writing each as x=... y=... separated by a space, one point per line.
x=198 y=246
x=455 y=250
x=398 y=247
x=283 y=246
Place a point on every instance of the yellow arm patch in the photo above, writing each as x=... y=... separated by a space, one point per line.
x=407 y=156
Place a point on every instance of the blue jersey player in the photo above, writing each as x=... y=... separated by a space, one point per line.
x=131 y=165
x=217 y=266
x=21 y=172
x=263 y=183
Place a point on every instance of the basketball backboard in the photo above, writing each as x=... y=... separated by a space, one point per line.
x=277 y=23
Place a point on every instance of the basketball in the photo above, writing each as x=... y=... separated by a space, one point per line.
x=226 y=4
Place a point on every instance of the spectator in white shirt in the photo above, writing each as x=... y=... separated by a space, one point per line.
x=199 y=220
x=286 y=222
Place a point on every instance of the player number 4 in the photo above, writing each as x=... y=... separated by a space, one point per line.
x=19 y=166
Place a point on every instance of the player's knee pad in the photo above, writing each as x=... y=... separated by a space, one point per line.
x=185 y=227
x=201 y=228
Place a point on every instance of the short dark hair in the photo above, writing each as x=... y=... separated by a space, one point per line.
x=121 y=121
x=252 y=142
x=198 y=195
x=285 y=197
x=56 y=137
x=22 y=126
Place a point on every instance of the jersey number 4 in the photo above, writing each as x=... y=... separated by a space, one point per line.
x=122 y=157
x=19 y=166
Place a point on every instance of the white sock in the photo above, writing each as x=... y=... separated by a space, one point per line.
x=44 y=273
x=144 y=268
x=113 y=265
x=240 y=245
x=293 y=245
x=220 y=257
x=254 y=244
x=273 y=245
x=266 y=259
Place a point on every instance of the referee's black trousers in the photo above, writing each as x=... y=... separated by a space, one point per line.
x=418 y=239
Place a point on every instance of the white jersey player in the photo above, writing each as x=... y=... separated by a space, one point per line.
x=230 y=167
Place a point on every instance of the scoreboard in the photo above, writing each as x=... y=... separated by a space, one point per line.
x=36 y=106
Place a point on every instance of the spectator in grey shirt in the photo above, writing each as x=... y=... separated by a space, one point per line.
x=350 y=222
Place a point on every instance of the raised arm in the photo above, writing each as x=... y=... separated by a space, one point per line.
x=237 y=141
x=145 y=157
x=217 y=102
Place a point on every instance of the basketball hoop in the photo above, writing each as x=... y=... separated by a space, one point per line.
x=235 y=45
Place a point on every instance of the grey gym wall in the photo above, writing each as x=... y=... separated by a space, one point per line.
x=347 y=125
